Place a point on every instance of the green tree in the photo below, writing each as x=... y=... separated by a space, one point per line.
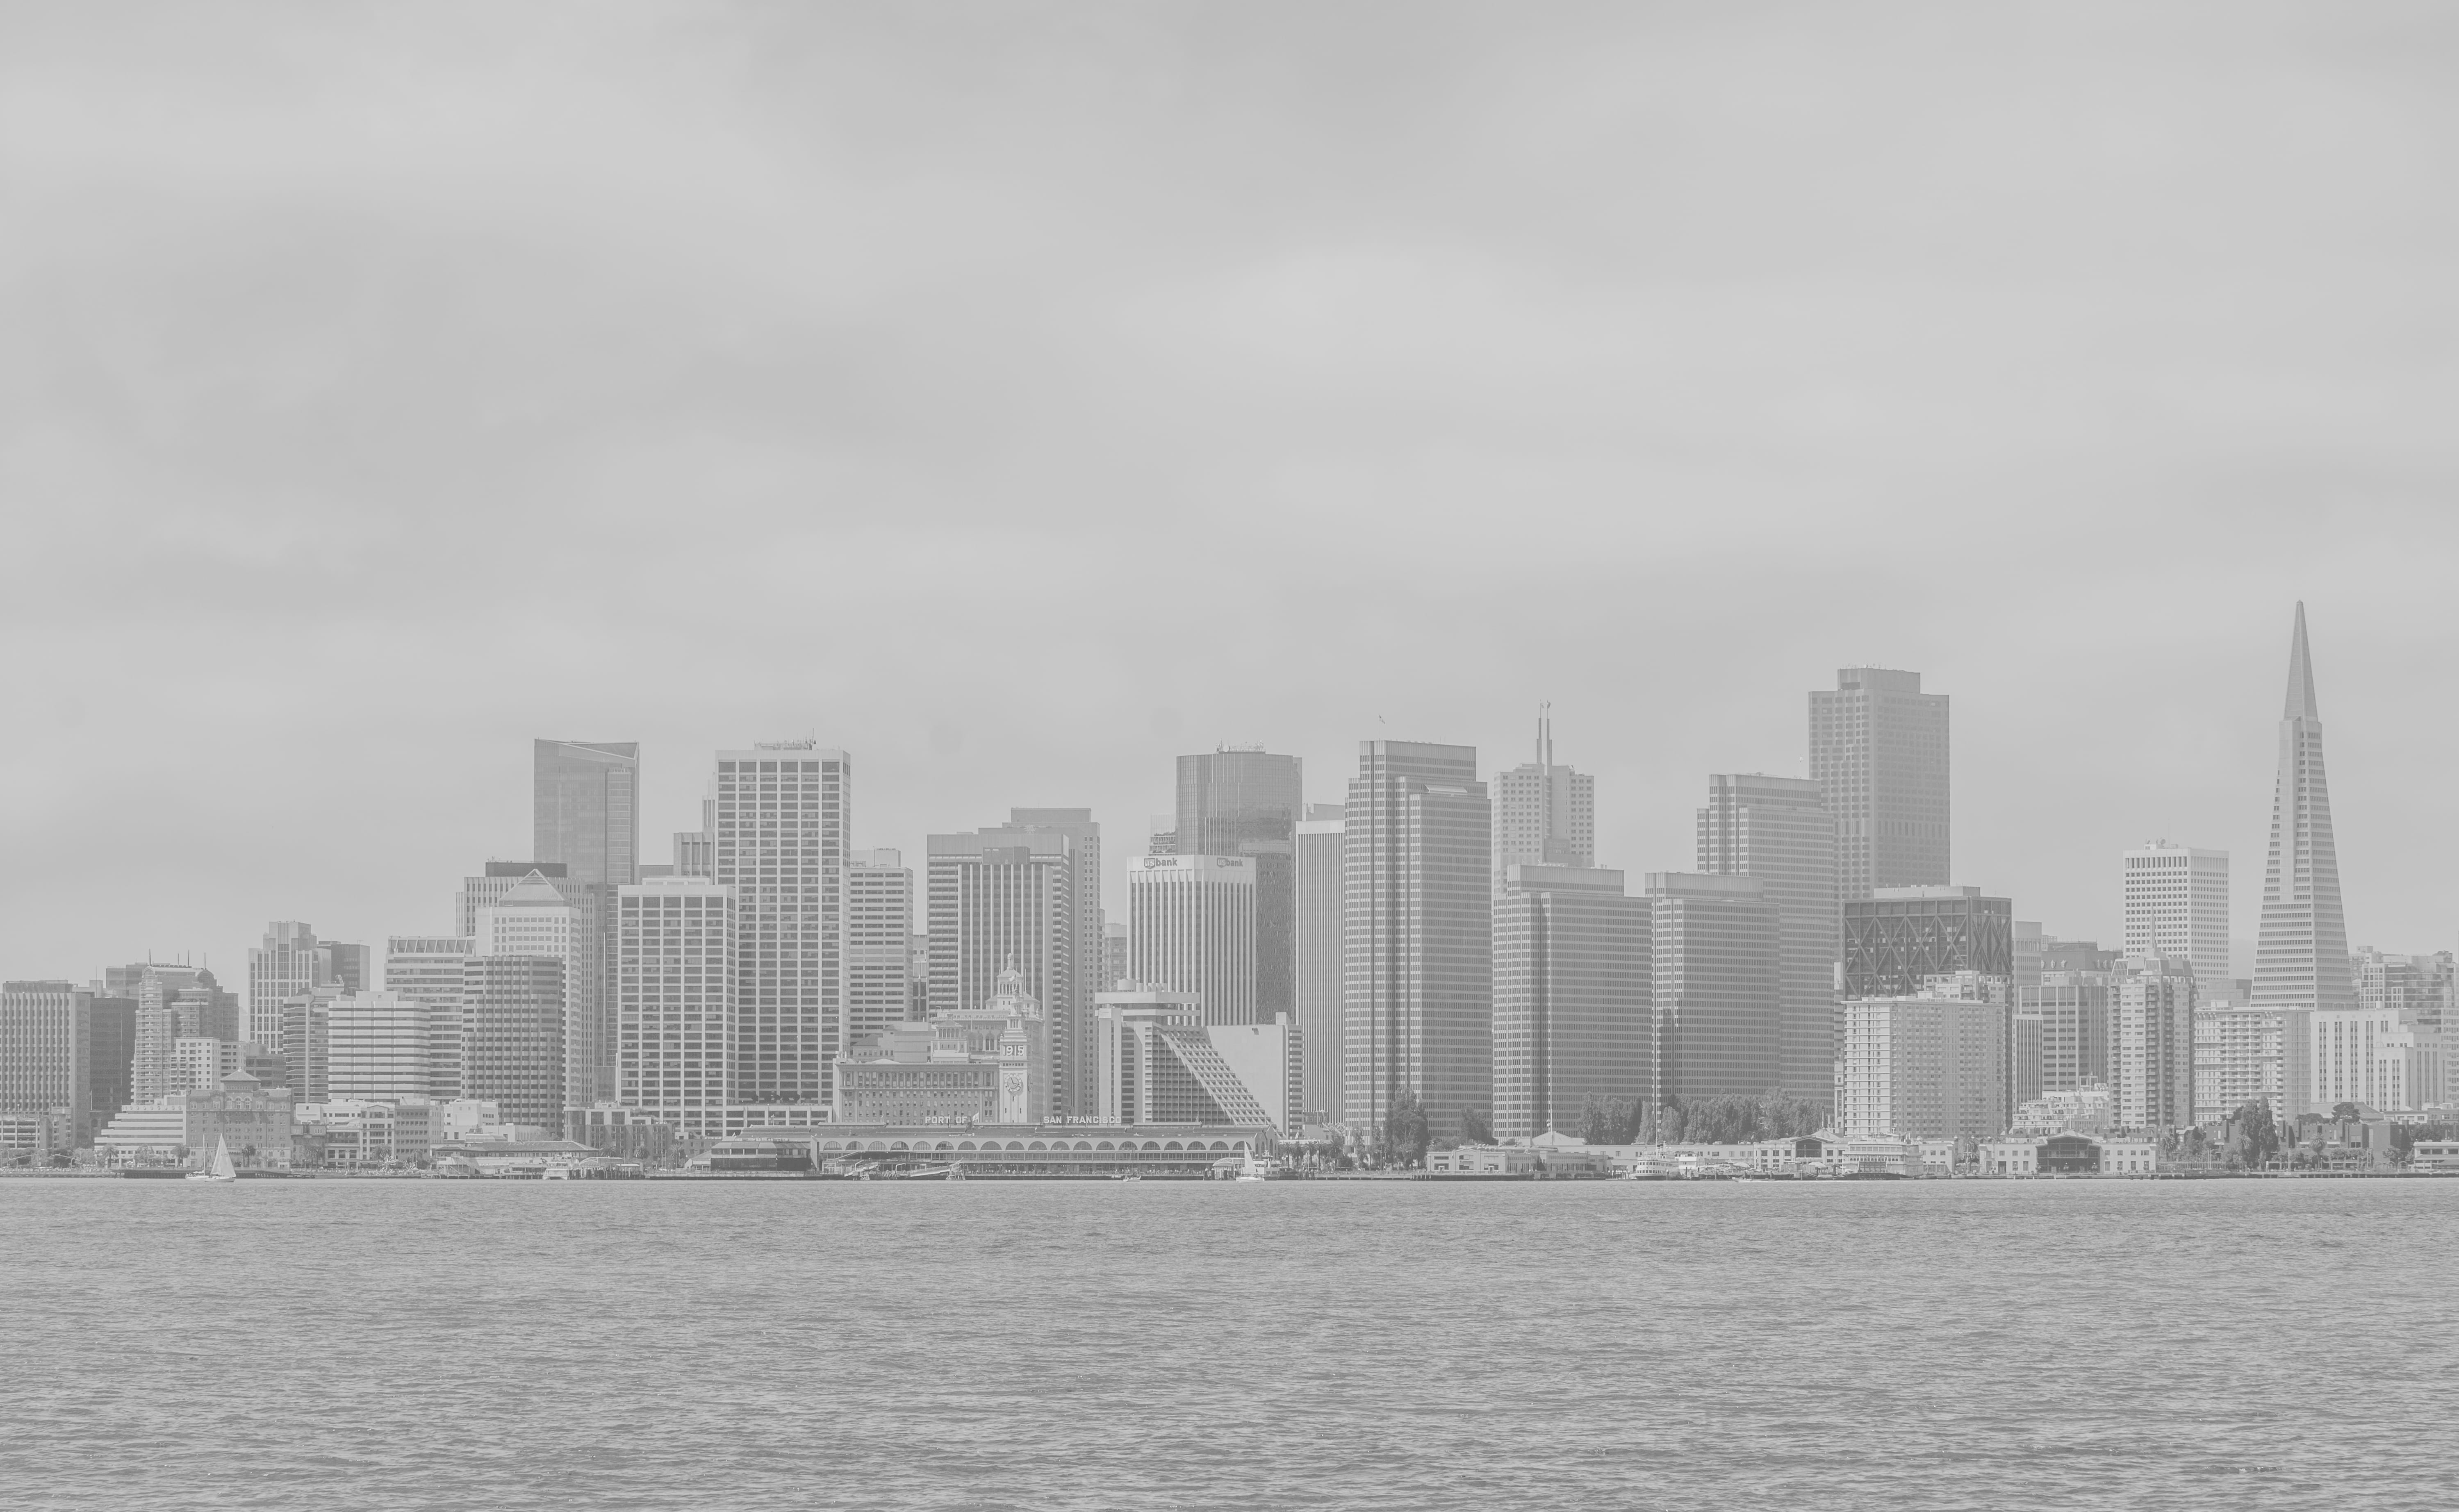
x=2252 y=1128
x=2344 y=1112
x=1405 y=1132
x=1476 y=1129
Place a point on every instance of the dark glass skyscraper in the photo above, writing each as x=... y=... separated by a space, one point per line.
x=1419 y=935
x=1246 y=803
x=586 y=813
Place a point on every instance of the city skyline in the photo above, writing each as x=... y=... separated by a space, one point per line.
x=2100 y=899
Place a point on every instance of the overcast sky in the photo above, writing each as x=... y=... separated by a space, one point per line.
x=1018 y=396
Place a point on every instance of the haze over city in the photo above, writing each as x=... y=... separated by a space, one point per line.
x=1019 y=411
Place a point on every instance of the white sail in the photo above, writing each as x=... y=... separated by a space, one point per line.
x=224 y=1169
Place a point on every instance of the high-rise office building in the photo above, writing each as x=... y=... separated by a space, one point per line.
x=585 y=813
x=307 y=1042
x=2301 y=959
x=171 y=1001
x=785 y=811
x=1072 y=1051
x=285 y=966
x=2155 y=1045
x=1573 y=1005
x=1879 y=748
x=676 y=994
x=1779 y=829
x=1000 y=899
x=1118 y=954
x=2077 y=1011
x=512 y=1035
x=2177 y=906
x=1193 y=927
x=1029 y=889
x=428 y=969
x=1927 y=1065
x=2028 y=953
x=1418 y=996
x=2419 y=989
x=2243 y=1054
x=1544 y=814
x=376 y=1048
x=45 y=1038
x=532 y=917
x=353 y=968
x=1321 y=901
x=2371 y=1057
x=1895 y=940
x=500 y=877
x=110 y=1056
x=879 y=941
x=1242 y=801
x=1716 y=985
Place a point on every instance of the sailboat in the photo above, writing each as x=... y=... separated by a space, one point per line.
x=221 y=1169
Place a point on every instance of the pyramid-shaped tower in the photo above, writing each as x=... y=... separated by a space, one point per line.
x=2301 y=961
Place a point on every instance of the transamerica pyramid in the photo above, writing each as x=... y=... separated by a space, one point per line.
x=2301 y=959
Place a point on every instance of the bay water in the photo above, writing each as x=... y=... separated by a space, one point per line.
x=486 y=1345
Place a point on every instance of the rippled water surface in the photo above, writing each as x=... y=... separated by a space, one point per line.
x=1315 y=1345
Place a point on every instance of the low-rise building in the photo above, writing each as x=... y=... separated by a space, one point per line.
x=1039 y=1149
x=2070 y=1154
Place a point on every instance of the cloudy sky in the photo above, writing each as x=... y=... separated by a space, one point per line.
x=1020 y=395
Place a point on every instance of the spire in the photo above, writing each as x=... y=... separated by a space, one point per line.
x=2301 y=673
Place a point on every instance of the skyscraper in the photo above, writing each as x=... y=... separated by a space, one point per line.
x=1419 y=929
x=999 y=899
x=1895 y=940
x=879 y=936
x=785 y=811
x=2301 y=959
x=1321 y=901
x=376 y=1047
x=1031 y=886
x=2177 y=906
x=1779 y=829
x=1242 y=801
x=1544 y=814
x=1716 y=985
x=512 y=1035
x=45 y=1038
x=585 y=813
x=427 y=969
x=1572 y=999
x=1927 y=1065
x=2154 y=1049
x=284 y=966
x=675 y=994
x=1879 y=747
x=532 y=918
x=1192 y=927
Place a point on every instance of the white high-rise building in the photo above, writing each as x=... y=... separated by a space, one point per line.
x=2375 y=1058
x=879 y=936
x=676 y=940
x=428 y=969
x=376 y=1047
x=2154 y=1046
x=1931 y=1065
x=284 y=966
x=1544 y=814
x=784 y=813
x=1193 y=928
x=2302 y=955
x=2177 y=906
